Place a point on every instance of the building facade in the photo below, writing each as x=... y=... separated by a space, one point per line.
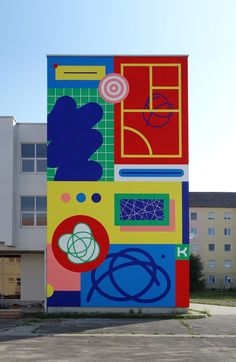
x=22 y=211
x=213 y=236
x=118 y=185
x=23 y=219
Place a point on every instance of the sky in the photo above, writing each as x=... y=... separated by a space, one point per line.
x=203 y=29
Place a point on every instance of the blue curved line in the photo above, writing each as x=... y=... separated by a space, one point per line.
x=148 y=286
x=150 y=267
x=139 y=172
x=135 y=262
x=96 y=282
x=146 y=106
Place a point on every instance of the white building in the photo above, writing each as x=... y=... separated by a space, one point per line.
x=22 y=211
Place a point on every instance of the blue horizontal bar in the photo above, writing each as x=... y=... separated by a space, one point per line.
x=139 y=172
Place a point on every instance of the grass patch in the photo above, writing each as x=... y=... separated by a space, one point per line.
x=215 y=297
x=205 y=313
x=47 y=316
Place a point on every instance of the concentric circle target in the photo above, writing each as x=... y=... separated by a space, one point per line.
x=113 y=88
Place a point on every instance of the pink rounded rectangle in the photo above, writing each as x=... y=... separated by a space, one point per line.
x=60 y=278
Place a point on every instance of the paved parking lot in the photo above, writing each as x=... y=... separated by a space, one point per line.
x=101 y=339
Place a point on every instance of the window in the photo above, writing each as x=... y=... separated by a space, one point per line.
x=194 y=248
x=227 y=232
x=33 y=211
x=211 y=231
x=211 y=216
x=227 y=247
x=193 y=231
x=10 y=276
x=228 y=263
x=193 y=216
x=228 y=279
x=211 y=279
x=33 y=157
x=211 y=263
x=227 y=215
x=211 y=247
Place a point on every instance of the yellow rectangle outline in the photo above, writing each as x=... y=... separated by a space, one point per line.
x=163 y=87
x=80 y=72
x=123 y=110
x=150 y=64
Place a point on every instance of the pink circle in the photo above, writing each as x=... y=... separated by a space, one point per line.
x=65 y=197
x=113 y=88
x=119 y=90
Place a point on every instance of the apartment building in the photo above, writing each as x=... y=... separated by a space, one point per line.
x=213 y=235
x=22 y=211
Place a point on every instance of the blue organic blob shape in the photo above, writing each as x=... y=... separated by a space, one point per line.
x=72 y=140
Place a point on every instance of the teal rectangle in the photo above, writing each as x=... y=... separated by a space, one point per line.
x=166 y=209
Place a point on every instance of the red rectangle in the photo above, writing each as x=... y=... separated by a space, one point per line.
x=165 y=76
x=145 y=122
x=138 y=78
x=182 y=283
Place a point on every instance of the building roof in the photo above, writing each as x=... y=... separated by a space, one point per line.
x=212 y=199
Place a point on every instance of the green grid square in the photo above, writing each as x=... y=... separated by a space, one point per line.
x=51 y=91
x=59 y=91
x=93 y=92
x=50 y=100
x=105 y=154
x=76 y=92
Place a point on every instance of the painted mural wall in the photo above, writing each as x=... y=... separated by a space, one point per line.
x=117 y=182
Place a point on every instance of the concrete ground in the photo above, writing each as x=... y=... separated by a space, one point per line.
x=213 y=309
x=102 y=339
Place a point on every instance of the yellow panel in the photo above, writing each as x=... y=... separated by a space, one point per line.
x=104 y=210
x=80 y=72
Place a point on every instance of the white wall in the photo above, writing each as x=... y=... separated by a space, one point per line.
x=32 y=277
x=7 y=126
x=13 y=185
x=27 y=184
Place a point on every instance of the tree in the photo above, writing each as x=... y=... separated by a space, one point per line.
x=197 y=281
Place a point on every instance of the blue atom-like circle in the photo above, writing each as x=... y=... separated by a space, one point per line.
x=161 y=119
x=146 y=261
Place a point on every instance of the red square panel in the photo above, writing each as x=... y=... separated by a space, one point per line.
x=166 y=76
x=151 y=124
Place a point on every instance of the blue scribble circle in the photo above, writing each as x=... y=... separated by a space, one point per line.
x=132 y=257
x=156 y=119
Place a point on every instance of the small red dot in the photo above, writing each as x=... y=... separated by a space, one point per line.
x=55 y=65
